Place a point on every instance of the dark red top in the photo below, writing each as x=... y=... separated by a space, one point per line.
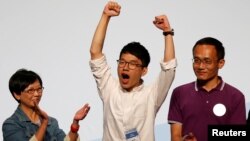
x=192 y=106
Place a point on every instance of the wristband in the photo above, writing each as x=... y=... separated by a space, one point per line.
x=74 y=129
x=171 y=32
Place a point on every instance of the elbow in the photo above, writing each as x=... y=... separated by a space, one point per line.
x=95 y=54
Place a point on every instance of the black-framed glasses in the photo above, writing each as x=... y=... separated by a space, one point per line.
x=206 y=61
x=32 y=91
x=131 y=65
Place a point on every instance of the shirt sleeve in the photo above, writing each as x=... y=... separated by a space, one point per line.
x=239 y=109
x=33 y=138
x=174 y=114
x=13 y=132
x=172 y=64
x=68 y=139
x=164 y=81
x=102 y=73
x=99 y=67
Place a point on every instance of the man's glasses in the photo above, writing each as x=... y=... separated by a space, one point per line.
x=206 y=61
x=131 y=65
x=32 y=91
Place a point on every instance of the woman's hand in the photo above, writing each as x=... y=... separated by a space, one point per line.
x=82 y=113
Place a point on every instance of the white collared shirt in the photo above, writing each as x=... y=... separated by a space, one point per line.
x=127 y=110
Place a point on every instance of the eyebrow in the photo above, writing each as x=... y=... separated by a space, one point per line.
x=202 y=58
x=136 y=61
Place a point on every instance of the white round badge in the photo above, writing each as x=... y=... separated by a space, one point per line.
x=219 y=109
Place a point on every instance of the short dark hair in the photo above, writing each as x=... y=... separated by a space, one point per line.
x=21 y=79
x=212 y=41
x=138 y=50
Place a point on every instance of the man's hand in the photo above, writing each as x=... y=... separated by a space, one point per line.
x=162 y=23
x=189 y=137
x=112 y=9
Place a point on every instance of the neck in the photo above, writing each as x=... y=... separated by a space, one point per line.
x=30 y=113
x=210 y=84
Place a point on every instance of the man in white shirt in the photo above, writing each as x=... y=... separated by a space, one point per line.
x=130 y=107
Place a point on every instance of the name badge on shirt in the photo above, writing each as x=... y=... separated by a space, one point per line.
x=132 y=135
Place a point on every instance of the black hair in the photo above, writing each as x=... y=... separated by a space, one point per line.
x=21 y=79
x=248 y=118
x=138 y=50
x=212 y=41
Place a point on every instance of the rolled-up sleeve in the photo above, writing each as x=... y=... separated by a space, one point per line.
x=172 y=64
x=165 y=80
x=68 y=139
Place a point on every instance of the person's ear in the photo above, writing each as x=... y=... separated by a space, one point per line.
x=144 y=71
x=17 y=96
x=221 y=63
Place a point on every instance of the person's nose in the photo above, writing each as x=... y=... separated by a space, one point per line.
x=36 y=93
x=202 y=65
x=126 y=66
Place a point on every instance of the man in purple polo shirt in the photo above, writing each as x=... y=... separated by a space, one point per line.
x=206 y=101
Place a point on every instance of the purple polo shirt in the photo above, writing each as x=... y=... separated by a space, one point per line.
x=192 y=106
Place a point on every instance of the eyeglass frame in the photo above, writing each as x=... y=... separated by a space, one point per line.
x=122 y=64
x=205 y=61
x=32 y=91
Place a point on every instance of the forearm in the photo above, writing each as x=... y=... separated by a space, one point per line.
x=176 y=132
x=176 y=139
x=41 y=131
x=169 y=52
x=73 y=135
x=99 y=37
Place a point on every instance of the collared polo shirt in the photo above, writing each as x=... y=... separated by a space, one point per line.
x=195 y=108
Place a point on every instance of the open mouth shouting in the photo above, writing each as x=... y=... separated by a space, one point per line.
x=124 y=78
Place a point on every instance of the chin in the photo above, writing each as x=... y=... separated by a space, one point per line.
x=126 y=87
x=201 y=77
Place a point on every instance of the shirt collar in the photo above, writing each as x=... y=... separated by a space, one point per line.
x=219 y=87
x=23 y=117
